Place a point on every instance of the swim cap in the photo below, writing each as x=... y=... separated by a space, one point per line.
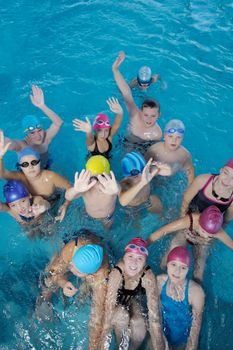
x=98 y=165
x=137 y=245
x=144 y=76
x=14 y=190
x=101 y=122
x=88 y=258
x=28 y=151
x=132 y=164
x=175 y=126
x=179 y=254
x=229 y=163
x=30 y=122
x=211 y=219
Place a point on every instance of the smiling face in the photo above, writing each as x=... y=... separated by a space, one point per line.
x=150 y=116
x=36 y=137
x=133 y=263
x=173 y=141
x=30 y=171
x=177 y=271
x=21 y=206
x=225 y=179
x=102 y=134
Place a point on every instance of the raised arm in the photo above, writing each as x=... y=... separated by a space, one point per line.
x=80 y=125
x=150 y=285
x=123 y=86
x=174 y=226
x=37 y=99
x=114 y=283
x=191 y=192
x=196 y=299
x=82 y=183
x=115 y=107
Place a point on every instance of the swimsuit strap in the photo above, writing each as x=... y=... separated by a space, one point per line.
x=187 y=291
x=208 y=181
x=191 y=222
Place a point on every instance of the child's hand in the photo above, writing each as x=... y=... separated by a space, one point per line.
x=80 y=125
x=114 y=105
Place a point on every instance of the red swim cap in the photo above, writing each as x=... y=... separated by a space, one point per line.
x=179 y=254
x=101 y=122
x=137 y=245
x=229 y=163
x=211 y=219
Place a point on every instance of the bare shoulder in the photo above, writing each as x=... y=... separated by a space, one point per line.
x=161 y=279
x=196 y=294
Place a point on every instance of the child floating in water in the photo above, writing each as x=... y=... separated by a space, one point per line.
x=101 y=142
x=98 y=188
x=143 y=125
x=198 y=229
x=36 y=137
x=131 y=285
x=144 y=78
x=182 y=302
x=83 y=257
x=171 y=152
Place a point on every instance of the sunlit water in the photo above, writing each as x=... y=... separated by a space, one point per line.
x=67 y=48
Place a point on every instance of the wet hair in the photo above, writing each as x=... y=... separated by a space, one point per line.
x=151 y=104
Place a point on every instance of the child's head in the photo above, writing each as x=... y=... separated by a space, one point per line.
x=211 y=220
x=132 y=164
x=150 y=112
x=33 y=129
x=173 y=134
x=144 y=77
x=178 y=263
x=102 y=126
x=29 y=162
x=17 y=197
x=135 y=256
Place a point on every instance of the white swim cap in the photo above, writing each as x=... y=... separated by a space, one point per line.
x=144 y=75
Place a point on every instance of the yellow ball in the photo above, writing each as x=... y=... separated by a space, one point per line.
x=98 y=165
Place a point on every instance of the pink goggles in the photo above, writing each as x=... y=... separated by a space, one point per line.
x=101 y=122
x=133 y=248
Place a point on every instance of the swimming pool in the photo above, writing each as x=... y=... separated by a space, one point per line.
x=67 y=48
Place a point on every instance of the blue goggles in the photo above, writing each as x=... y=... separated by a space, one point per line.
x=134 y=172
x=174 y=130
x=32 y=128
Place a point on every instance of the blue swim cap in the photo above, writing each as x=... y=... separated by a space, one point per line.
x=28 y=151
x=30 y=122
x=132 y=164
x=14 y=190
x=88 y=258
x=144 y=76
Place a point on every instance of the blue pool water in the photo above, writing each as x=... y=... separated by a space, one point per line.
x=67 y=48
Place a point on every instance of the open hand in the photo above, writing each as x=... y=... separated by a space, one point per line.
x=83 y=182
x=80 y=125
x=37 y=96
x=3 y=147
x=118 y=61
x=108 y=183
x=114 y=105
x=149 y=172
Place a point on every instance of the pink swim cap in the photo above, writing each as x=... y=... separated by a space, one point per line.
x=101 y=122
x=179 y=254
x=211 y=219
x=137 y=245
x=229 y=163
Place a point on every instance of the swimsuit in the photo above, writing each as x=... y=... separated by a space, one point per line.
x=193 y=236
x=97 y=152
x=201 y=201
x=177 y=317
x=125 y=296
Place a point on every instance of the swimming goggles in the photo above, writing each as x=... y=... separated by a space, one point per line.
x=134 y=172
x=34 y=162
x=32 y=128
x=102 y=122
x=173 y=130
x=141 y=249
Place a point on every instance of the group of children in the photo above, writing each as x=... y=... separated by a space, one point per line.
x=130 y=300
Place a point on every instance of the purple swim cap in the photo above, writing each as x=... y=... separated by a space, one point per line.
x=211 y=219
x=229 y=163
x=14 y=190
x=179 y=254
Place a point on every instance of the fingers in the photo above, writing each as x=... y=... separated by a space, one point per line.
x=76 y=177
